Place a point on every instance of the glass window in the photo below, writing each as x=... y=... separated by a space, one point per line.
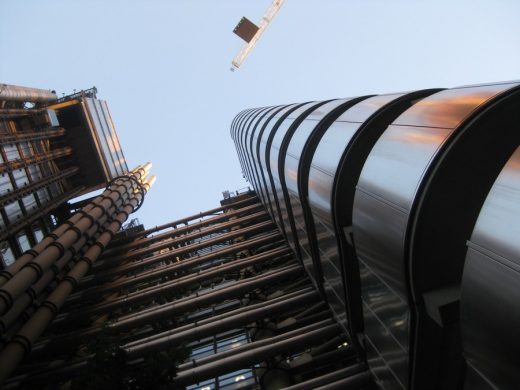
x=43 y=195
x=20 y=177
x=25 y=148
x=6 y=253
x=35 y=172
x=29 y=202
x=11 y=152
x=38 y=233
x=13 y=211
x=5 y=184
x=55 y=189
x=117 y=154
x=23 y=241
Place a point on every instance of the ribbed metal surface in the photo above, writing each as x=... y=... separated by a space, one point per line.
x=15 y=93
x=379 y=204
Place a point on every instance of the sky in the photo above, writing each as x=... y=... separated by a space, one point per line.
x=163 y=67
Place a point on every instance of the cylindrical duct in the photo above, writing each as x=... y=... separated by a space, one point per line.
x=15 y=93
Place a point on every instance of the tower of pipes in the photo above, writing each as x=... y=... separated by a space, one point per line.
x=37 y=285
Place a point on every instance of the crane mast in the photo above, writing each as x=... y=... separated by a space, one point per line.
x=266 y=20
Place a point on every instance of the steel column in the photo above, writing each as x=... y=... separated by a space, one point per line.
x=124 y=196
x=107 y=203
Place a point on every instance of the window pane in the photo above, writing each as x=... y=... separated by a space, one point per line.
x=24 y=242
x=7 y=253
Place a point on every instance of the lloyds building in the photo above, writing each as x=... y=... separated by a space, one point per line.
x=377 y=250
x=52 y=149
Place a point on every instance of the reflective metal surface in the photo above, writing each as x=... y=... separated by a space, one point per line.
x=395 y=212
x=264 y=154
x=245 y=136
x=296 y=168
x=277 y=160
x=490 y=310
x=378 y=199
x=259 y=127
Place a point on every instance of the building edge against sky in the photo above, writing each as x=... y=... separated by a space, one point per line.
x=368 y=256
x=52 y=150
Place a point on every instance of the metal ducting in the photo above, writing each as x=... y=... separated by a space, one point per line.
x=15 y=93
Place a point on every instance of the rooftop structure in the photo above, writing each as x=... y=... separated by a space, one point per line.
x=51 y=150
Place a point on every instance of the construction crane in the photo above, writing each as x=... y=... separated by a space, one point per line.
x=251 y=33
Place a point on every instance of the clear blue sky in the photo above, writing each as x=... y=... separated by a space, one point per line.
x=163 y=66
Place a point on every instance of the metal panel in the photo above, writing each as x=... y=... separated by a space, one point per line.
x=276 y=162
x=426 y=160
x=264 y=154
x=490 y=314
x=245 y=128
x=251 y=148
x=267 y=123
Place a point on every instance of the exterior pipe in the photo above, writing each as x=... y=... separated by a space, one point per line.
x=126 y=268
x=349 y=354
x=70 y=368
x=180 y=240
x=33 y=187
x=15 y=93
x=252 y=345
x=269 y=307
x=12 y=165
x=16 y=138
x=181 y=230
x=185 y=220
x=237 y=289
x=353 y=382
x=36 y=289
x=238 y=311
x=21 y=344
x=201 y=331
x=311 y=310
x=34 y=269
x=6 y=113
x=328 y=378
x=151 y=292
x=171 y=269
x=193 y=301
x=248 y=358
x=8 y=273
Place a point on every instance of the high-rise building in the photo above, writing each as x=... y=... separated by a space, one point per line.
x=378 y=250
x=400 y=207
x=51 y=150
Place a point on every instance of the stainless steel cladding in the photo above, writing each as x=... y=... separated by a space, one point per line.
x=490 y=310
x=378 y=196
x=15 y=93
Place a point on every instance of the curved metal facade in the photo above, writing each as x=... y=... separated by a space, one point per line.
x=378 y=197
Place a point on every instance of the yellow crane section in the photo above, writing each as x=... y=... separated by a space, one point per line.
x=251 y=42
